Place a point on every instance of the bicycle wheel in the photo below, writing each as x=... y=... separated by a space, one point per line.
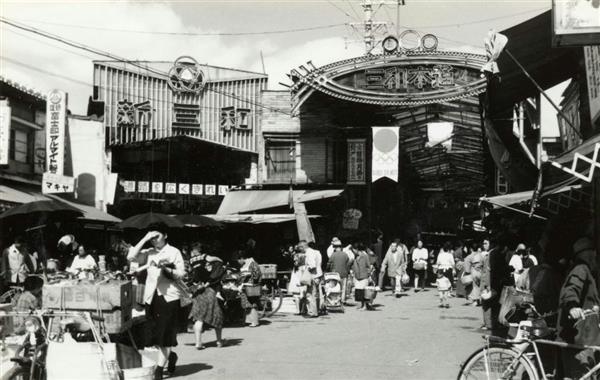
x=493 y=363
x=270 y=300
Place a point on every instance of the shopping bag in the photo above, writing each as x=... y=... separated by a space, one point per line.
x=306 y=278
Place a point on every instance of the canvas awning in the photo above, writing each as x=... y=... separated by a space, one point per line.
x=241 y=201
x=257 y=218
x=89 y=213
x=513 y=200
x=13 y=195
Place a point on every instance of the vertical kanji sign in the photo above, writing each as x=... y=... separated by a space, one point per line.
x=56 y=109
x=4 y=131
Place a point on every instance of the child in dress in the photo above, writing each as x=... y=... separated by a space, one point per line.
x=443 y=285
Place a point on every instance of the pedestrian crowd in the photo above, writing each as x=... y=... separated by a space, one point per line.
x=198 y=286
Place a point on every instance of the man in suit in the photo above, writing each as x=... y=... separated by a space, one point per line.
x=394 y=263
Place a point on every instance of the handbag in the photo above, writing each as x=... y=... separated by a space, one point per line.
x=306 y=278
x=419 y=265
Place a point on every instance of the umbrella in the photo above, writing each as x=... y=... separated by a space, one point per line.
x=192 y=220
x=55 y=208
x=144 y=221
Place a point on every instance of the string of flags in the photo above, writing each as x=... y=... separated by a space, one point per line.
x=174 y=188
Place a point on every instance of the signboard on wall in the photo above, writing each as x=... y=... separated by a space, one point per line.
x=5 y=114
x=55 y=183
x=575 y=22
x=356 y=161
x=56 y=111
x=385 y=153
x=592 y=69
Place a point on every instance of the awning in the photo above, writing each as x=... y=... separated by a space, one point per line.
x=241 y=201
x=89 y=213
x=257 y=218
x=12 y=195
x=512 y=200
x=521 y=197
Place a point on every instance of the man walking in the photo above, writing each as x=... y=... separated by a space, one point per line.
x=313 y=265
x=340 y=263
x=395 y=263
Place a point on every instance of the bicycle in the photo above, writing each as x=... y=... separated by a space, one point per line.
x=271 y=295
x=518 y=358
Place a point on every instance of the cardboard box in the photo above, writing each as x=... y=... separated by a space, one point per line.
x=117 y=320
x=85 y=296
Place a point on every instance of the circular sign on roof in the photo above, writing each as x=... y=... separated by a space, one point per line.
x=186 y=75
x=385 y=140
x=55 y=97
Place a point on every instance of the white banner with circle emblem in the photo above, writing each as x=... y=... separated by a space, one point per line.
x=385 y=153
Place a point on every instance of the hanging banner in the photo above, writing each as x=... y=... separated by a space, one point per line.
x=170 y=188
x=157 y=187
x=54 y=183
x=356 y=161
x=223 y=189
x=128 y=186
x=56 y=111
x=5 y=115
x=385 y=153
x=143 y=187
x=197 y=189
x=592 y=69
x=184 y=188
x=210 y=190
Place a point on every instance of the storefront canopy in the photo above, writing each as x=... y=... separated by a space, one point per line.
x=237 y=202
x=89 y=213
x=257 y=218
x=13 y=195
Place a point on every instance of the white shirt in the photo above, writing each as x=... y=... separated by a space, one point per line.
x=329 y=251
x=313 y=261
x=156 y=280
x=420 y=253
x=516 y=262
x=82 y=263
x=445 y=260
x=348 y=251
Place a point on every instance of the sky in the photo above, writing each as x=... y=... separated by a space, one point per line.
x=148 y=30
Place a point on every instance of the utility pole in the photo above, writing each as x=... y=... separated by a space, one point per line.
x=370 y=27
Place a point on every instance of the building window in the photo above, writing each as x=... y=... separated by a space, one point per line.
x=280 y=157
x=501 y=183
x=19 y=146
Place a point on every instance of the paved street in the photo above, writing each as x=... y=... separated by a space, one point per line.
x=408 y=338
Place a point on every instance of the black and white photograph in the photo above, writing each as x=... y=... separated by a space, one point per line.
x=299 y=189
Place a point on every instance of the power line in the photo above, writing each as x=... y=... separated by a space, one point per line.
x=353 y=10
x=120 y=59
x=339 y=9
x=195 y=34
x=476 y=21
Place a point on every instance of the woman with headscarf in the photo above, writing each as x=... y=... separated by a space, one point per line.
x=579 y=293
x=206 y=275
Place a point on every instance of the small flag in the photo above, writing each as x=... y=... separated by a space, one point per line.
x=494 y=44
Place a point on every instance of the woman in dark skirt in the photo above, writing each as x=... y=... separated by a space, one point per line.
x=207 y=273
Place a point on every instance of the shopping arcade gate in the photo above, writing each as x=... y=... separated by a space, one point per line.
x=414 y=88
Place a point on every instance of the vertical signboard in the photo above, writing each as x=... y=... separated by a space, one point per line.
x=5 y=115
x=385 y=153
x=575 y=22
x=356 y=161
x=56 y=110
x=592 y=69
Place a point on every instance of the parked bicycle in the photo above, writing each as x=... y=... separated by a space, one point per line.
x=519 y=357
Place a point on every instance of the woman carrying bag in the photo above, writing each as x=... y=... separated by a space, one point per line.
x=419 y=259
x=250 y=276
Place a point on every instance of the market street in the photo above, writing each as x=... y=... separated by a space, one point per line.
x=409 y=338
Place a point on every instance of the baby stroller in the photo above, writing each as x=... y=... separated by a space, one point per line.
x=332 y=289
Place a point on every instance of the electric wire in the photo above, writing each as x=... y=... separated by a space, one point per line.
x=191 y=34
x=123 y=60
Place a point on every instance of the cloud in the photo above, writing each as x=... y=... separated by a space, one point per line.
x=25 y=52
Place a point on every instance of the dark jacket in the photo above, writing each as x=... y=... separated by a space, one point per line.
x=339 y=262
x=580 y=289
x=361 y=266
